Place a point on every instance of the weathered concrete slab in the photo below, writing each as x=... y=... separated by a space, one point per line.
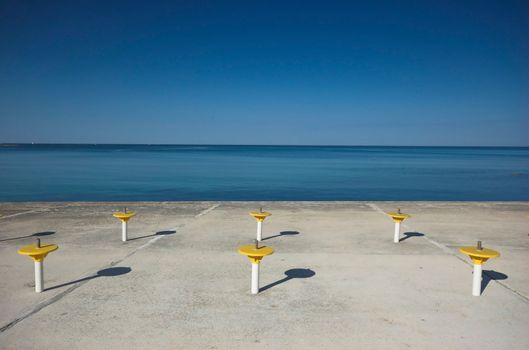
x=88 y=236
x=190 y=289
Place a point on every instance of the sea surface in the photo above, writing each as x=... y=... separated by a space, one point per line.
x=193 y=172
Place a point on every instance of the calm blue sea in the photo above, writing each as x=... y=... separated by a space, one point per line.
x=180 y=172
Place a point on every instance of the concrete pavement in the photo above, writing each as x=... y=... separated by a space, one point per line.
x=179 y=283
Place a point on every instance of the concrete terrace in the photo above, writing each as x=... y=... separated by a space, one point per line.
x=179 y=283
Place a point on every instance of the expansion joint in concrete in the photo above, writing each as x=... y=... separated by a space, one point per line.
x=449 y=251
x=84 y=280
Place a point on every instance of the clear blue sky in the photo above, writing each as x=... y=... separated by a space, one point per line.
x=368 y=73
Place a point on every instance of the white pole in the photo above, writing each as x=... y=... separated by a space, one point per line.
x=39 y=276
x=255 y=278
x=476 y=280
x=397 y=232
x=259 y=230
x=124 y=231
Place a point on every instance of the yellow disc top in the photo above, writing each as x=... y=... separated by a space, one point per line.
x=38 y=253
x=249 y=250
x=483 y=253
x=121 y=215
x=399 y=216
x=260 y=215
x=34 y=250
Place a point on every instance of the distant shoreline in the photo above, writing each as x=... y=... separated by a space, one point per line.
x=11 y=144
x=89 y=203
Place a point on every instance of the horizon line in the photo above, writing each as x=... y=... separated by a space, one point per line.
x=3 y=144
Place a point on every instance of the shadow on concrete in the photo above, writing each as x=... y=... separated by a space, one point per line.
x=283 y=233
x=292 y=273
x=410 y=234
x=38 y=234
x=159 y=233
x=110 y=272
x=489 y=275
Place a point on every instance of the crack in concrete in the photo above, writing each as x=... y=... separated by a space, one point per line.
x=40 y=210
x=447 y=250
x=84 y=280
x=206 y=211
x=37 y=210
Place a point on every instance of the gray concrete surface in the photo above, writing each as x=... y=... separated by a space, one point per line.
x=180 y=283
